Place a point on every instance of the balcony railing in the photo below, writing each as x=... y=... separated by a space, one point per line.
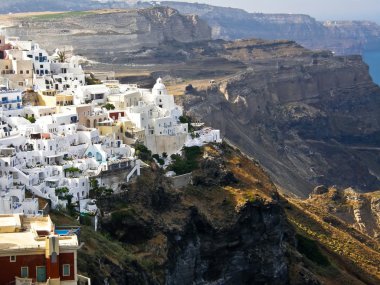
x=11 y=101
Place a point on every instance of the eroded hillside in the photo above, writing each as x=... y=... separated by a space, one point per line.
x=310 y=118
x=230 y=226
x=342 y=37
x=108 y=35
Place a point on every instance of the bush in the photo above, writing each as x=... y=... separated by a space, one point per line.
x=188 y=163
x=143 y=153
x=156 y=156
x=187 y=120
x=109 y=106
x=31 y=119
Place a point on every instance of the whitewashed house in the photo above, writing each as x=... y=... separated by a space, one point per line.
x=157 y=114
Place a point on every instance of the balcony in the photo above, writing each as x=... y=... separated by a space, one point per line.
x=15 y=101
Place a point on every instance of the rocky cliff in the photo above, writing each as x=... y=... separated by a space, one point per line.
x=107 y=35
x=342 y=37
x=208 y=233
x=349 y=37
x=19 y=6
x=230 y=226
x=309 y=118
x=359 y=210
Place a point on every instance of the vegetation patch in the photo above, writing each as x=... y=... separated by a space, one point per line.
x=310 y=249
x=31 y=119
x=57 y=16
x=143 y=153
x=188 y=162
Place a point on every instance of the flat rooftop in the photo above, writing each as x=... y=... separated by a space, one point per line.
x=18 y=232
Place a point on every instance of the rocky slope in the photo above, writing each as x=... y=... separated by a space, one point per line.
x=225 y=229
x=359 y=210
x=229 y=227
x=342 y=37
x=309 y=118
x=107 y=35
x=19 y=6
x=349 y=37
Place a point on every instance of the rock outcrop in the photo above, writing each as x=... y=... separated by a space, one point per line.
x=242 y=233
x=342 y=37
x=359 y=210
x=217 y=234
x=108 y=35
x=309 y=118
x=19 y=6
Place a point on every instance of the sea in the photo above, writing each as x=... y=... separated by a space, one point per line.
x=372 y=58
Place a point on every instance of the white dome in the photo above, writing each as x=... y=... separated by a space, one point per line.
x=159 y=85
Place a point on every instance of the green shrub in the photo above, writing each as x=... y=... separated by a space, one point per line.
x=109 y=106
x=31 y=119
x=187 y=163
x=143 y=153
x=156 y=156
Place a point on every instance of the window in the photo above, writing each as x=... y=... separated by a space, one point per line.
x=27 y=72
x=66 y=270
x=13 y=257
x=24 y=272
x=21 y=72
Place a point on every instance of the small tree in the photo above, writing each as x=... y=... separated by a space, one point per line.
x=109 y=106
x=72 y=171
x=30 y=119
x=62 y=193
x=61 y=56
x=142 y=152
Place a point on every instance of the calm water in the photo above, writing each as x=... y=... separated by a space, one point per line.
x=372 y=58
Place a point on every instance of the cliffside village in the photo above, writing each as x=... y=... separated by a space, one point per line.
x=57 y=134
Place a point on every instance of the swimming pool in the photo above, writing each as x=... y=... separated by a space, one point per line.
x=66 y=232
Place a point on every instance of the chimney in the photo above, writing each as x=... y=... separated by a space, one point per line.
x=52 y=257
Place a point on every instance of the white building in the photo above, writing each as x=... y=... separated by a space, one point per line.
x=40 y=59
x=12 y=192
x=96 y=94
x=158 y=116
x=10 y=102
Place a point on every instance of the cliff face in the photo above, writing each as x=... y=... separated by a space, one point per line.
x=359 y=210
x=19 y=6
x=310 y=118
x=227 y=228
x=249 y=252
x=349 y=37
x=108 y=35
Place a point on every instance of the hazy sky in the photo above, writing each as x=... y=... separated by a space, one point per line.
x=320 y=9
